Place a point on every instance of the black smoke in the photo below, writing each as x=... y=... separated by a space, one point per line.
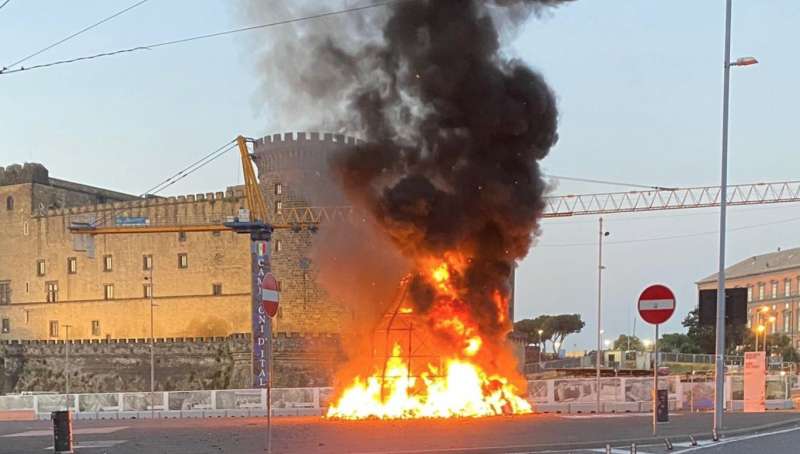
x=454 y=133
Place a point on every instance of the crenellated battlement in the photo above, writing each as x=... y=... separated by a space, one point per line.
x=175 y=340
x=231 y=195
x=302 y=137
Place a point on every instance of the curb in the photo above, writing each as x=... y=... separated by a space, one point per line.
x=595 y=444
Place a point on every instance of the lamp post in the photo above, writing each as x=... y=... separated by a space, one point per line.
x=759 y=329
x=66 y=363
x=540 y=347
x=600 y=268
x=149 y=278
x=719 y=366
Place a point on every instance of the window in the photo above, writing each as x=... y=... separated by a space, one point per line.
x=108 y=263
x=787 y=287
x=216 y=289
x=52 y=291
x=72 y=265
x=216 y=233
x=108 y=291
x=53 y=328
x=749 y=293
x=278 y=206
x=9 y=203
x=6 y=326
x=183 y=261
x=95 y=327
x=40 y=268
x=278 y=189
x=761 y=291
x=278 y=246
x=774 y=292
x=181 y=236
x=787 y=321
x=147 y=290
x=5 y=292
x=26 y=230
x=147 y=262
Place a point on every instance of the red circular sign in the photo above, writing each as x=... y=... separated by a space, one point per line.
x=656 y=304
x=270 y=294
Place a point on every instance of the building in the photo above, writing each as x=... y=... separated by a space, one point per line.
x=52 y=281
x=773 y=289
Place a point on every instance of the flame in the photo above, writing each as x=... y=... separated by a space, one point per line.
x=463 y=381
x=464 y=389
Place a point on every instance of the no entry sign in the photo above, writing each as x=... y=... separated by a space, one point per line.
x=270 y=294
x=656 y=304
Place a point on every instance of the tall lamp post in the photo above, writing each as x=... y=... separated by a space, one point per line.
x=540 y=347
x=149 y=278
x=719 y=366
x=600 y=267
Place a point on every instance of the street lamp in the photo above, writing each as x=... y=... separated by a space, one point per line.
x=759 y=329
x=600 y=268
x=719 y=366
x=540 y=346
x=149 y=278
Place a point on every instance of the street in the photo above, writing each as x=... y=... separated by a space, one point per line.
x=532 y=433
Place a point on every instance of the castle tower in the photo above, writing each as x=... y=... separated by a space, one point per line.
x=294 y=173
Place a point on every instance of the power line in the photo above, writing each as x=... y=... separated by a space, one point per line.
x=81 y=31
x=4 y=4
x=672 y=237
x=199 y=37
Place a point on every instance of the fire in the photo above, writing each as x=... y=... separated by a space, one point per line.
x=463 y=389
x=462 y=381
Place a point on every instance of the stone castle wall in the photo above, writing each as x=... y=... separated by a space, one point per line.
x=118 y=365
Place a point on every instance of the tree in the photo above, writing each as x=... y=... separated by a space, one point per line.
x=781 y=344
x=562 y=326
x=555 y=328
x=704 y=337
x=677 y=343
x=626 y=343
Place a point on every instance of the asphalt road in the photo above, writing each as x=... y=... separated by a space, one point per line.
x=518 y=434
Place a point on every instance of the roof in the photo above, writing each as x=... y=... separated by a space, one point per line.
x=760 y=264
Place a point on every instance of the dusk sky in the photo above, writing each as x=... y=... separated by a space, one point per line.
x=639 y=86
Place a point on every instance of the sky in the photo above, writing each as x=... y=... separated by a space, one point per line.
x=639 y=87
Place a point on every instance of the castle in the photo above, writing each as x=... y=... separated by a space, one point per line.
x=52 y=286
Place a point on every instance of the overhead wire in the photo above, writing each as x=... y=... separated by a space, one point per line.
x=9 y=70
x=612 y=183
x=4 y=4
x=73 y=35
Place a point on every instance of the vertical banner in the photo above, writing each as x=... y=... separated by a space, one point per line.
x=262 y=324
x=755 y=381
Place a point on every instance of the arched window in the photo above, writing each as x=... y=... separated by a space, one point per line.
x=9 y=203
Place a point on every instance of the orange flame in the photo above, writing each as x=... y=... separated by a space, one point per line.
x=456 y=385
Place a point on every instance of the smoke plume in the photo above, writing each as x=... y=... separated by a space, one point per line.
x=453 y=133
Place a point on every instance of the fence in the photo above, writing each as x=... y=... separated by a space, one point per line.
x=567 y=395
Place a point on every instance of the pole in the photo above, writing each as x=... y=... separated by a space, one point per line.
x=152 y=349
x=655 y=383
x=719 y=367
x=599 y=312
x=540 y=349
x=691 y=392
x=66 y=363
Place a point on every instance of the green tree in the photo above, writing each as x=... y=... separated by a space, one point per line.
x=531 y=328
x=703 y=337
x=781 y=344
x=562 y=326
x=677 y=343
x=625 y=342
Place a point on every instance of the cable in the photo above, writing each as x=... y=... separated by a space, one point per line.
x=190 y=166
x=672 y=237
x=4 y=4
x=612 y=183
x=81 y=31
x=199 y=37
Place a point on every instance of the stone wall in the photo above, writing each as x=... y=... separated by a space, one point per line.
x=119 y=365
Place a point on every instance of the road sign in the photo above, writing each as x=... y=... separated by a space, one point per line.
x=656 y=304
x=270 y=294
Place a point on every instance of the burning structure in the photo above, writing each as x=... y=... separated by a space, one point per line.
x=449 y=173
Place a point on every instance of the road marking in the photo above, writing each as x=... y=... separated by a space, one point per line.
x=94 y=444
x=616 y=450
x=49 y=433
x=726 y=441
